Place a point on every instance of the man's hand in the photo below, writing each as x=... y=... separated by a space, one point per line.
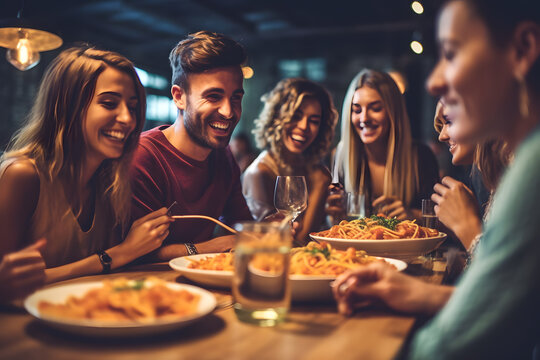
x=215 y=245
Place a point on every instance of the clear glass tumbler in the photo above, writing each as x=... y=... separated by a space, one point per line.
x=355 y=206
x=429 y=219
x=260 y=288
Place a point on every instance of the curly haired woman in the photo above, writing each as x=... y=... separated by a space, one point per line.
x=294 y=130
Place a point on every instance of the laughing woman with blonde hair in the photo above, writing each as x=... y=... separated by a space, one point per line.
x=376 y=156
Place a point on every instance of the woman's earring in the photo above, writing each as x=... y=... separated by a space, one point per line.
x=523 y=97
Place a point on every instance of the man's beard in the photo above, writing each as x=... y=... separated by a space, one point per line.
x=197 y=131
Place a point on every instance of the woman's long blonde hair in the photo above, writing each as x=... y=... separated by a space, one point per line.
x=279 y=107
x=53 y=135
x=401 y=177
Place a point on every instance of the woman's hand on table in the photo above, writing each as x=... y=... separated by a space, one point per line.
x=22 y=272
x=147 y=233
x=380 y=283
x=457 y=209
x=392 y=207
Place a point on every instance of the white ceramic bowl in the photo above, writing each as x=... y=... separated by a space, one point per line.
x=404 y=249
x=303 y=287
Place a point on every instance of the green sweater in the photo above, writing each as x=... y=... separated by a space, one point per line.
x=494 y=312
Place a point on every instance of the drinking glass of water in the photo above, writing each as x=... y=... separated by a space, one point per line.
x=355 y=206
x=429 y=219
x=290 y=195
x=260 y=287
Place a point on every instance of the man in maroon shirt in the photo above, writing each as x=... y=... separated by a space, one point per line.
x=189 y=161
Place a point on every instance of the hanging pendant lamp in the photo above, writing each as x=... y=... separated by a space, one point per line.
x=25 y=41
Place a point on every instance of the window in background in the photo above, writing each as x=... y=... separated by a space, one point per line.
x=313 y=69
x=159 y=108
x=153 y=81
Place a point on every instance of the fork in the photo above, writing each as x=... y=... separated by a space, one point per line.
x=207 y=218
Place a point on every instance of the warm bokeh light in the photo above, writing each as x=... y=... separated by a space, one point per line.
x=417 y=47
x=417 y=7
x=248 y=72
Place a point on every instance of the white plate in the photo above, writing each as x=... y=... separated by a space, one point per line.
x=404 y=249
x=59 y=294
x=217 y=278
x=303 y=287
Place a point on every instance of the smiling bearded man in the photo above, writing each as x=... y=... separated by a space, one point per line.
x=189 y=162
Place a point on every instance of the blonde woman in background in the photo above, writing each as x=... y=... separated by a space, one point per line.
x=65 y=175
x=295 y=131
x=376 y=155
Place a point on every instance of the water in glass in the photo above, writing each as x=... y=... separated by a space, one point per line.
x=261 y=288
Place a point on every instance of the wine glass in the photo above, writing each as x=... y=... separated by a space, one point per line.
x=290 y=195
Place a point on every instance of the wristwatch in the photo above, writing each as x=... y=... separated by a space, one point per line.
x=191 y=249
x=105 y=260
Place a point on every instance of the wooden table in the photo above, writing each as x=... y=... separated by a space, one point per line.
x=312 y=331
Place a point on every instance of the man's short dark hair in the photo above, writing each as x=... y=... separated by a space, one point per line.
x=201 y=51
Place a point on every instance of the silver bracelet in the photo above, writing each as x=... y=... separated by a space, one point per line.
x=474 y=244
x=191 y=249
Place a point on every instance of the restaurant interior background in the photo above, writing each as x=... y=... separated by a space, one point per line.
x=328 y=42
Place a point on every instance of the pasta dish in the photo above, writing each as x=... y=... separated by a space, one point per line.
x=126 y=300
x=313 y=259
x=322 y=259
x=223 y=261
x=377 y=227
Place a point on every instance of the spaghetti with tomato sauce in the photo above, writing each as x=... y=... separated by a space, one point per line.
x=312 y=259
x=377 y=227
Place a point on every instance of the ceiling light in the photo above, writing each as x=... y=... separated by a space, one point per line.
x=248 y=72
x=417 y=47
x=417 y=7
x=24 y=41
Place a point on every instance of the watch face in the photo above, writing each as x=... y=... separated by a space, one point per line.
x=105 y=257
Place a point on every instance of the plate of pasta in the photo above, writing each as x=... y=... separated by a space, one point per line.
x=120 y=307
x=382 y=236
x=312 y=268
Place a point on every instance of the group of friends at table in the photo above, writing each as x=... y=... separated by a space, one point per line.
x=84 y=191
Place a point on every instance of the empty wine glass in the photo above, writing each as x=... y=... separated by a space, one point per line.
x=290 y=195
